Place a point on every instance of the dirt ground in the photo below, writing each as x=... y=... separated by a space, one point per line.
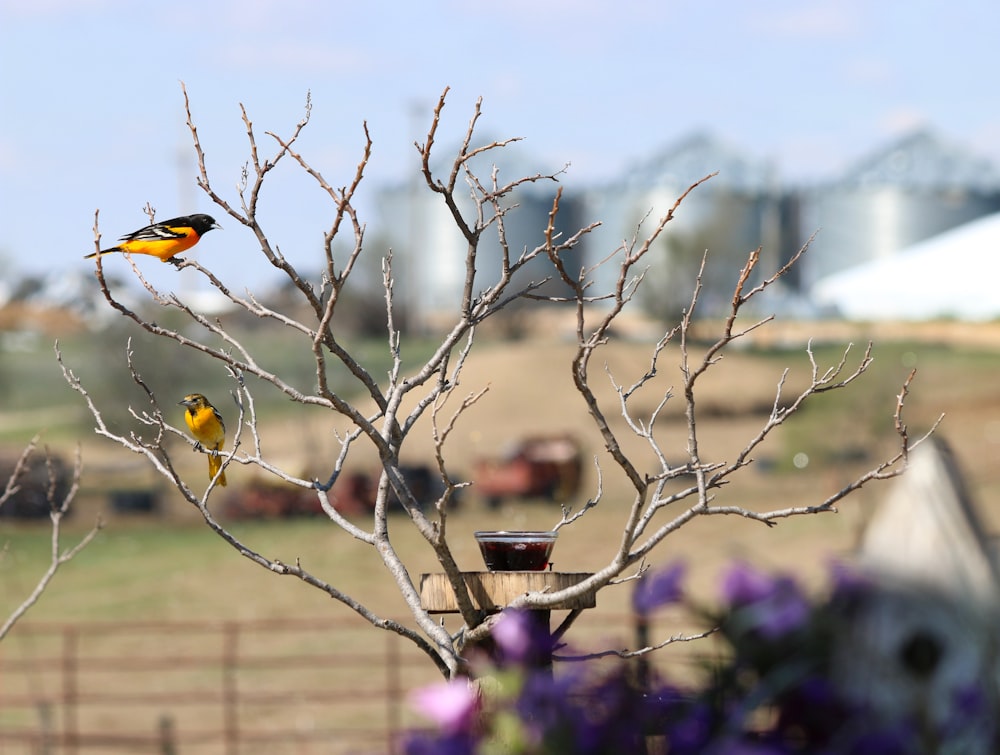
x=529 y=390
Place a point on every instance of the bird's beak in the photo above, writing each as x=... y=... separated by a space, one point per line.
x=184 y=403
x=216 y=225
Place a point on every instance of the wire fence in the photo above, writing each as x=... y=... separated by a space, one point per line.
x=235 y=687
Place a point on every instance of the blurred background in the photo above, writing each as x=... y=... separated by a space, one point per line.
x=870 y=125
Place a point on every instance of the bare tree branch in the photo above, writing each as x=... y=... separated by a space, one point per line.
x=638 y=653
x=58 y=507
x=478 y=202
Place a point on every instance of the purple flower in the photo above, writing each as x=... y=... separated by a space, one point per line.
x=740 y=746
x=883 y=739
x=451 y=705
x=971 y=701
x=847 y=581
x=549 y=707
x=743 y=585
x=657 y=589
x=521 y=638
x=971 y=714
x=774 y=606
x=689 y=727
x=512 y=634
x=772 y=695
x=461 y=743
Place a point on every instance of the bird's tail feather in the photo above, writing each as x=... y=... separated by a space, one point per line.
x=103 y=251
x=214 y=465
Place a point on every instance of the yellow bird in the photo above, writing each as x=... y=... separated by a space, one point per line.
x=207 y=427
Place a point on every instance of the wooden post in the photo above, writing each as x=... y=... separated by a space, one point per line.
x=230 y=702
x=47 y=745
x=393 y=692
x=69 y=690
x=641 y=667
x=492 y=591
x=168 y=740
x=542 y=620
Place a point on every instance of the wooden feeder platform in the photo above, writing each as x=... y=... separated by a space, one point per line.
x=494 y=590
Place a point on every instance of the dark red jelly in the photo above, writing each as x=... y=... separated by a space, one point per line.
x=516 y=556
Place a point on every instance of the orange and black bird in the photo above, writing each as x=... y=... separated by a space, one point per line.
x=164 y=240
x=207 y=427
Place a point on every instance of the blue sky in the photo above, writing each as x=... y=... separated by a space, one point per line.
x=92 y=108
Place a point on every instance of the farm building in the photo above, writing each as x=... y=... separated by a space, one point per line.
x=729 y=215
x=952 y=275
x=908 y=191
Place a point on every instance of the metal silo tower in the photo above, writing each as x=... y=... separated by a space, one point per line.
x=910 y=190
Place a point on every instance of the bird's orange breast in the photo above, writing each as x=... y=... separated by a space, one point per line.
x=205 y=427
x=162 y=248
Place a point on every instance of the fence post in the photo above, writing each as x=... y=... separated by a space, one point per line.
x=168 y=741
x=641 y=664
x=48 y=745
x=69 y=689
x=230 y=701
x=393 y=692
x=641 y=679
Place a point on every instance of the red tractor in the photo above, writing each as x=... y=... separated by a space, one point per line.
x=538 y=467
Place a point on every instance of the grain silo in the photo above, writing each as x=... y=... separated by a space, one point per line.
x=430 y=251
x=915 y=188
x=729 y=216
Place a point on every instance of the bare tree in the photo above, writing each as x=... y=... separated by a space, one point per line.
x=58 y=502
x=433 y=388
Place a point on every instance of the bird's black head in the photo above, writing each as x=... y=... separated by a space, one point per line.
x=203 y=223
